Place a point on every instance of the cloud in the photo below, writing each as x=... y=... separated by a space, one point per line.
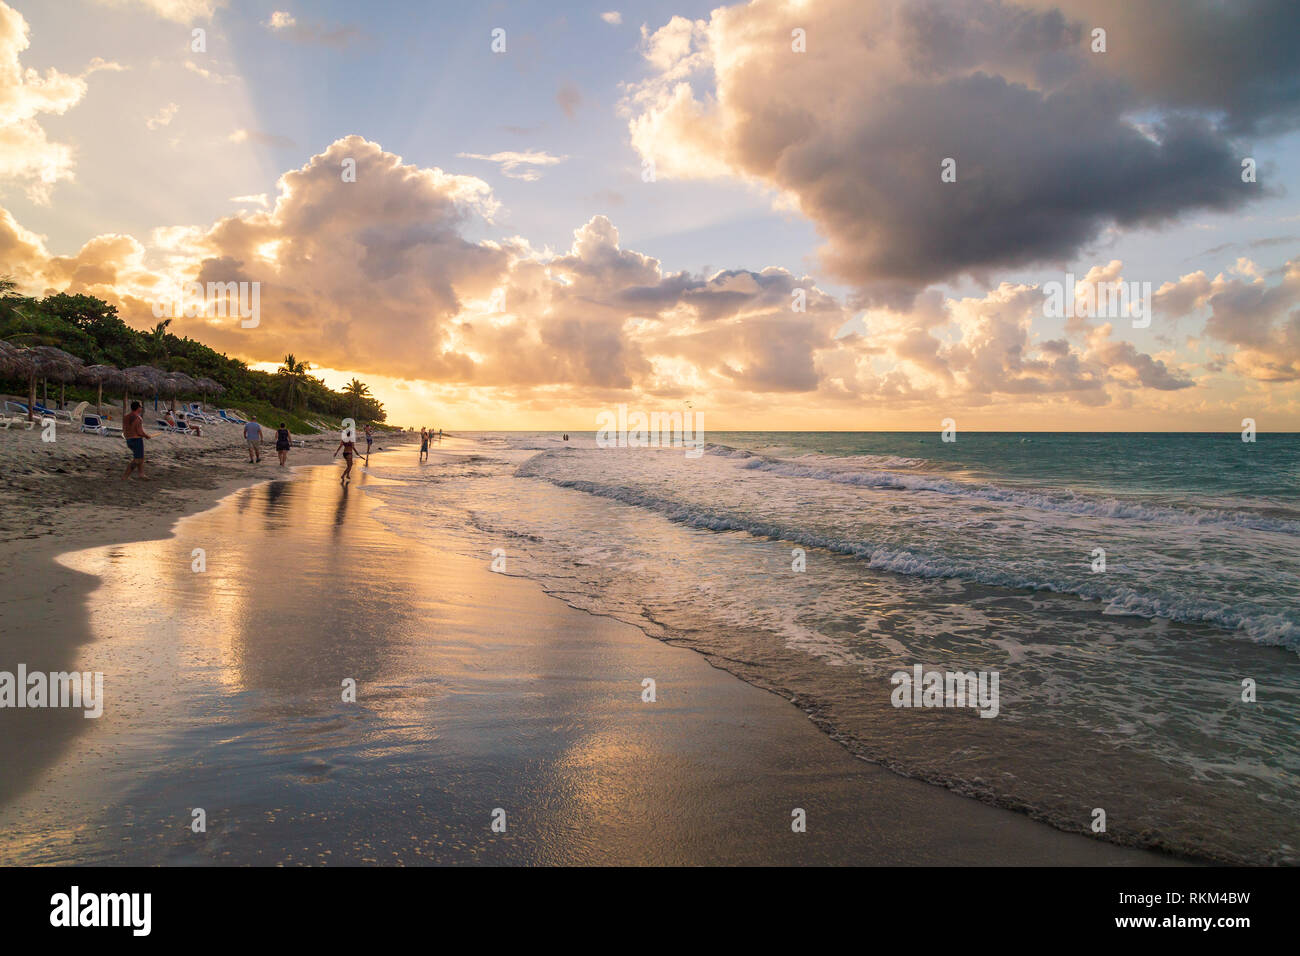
x=322 y=34
x=27 y=156
x=1047 y=148
x=163 y=117
x=974 y=352
x=219 y=78
x=178 y=11
x=517 y=164
x=370 y=271
x=1262 y=243
x=381 y=278
x=612 y=17
x=1160 y=49
x=1261 y=320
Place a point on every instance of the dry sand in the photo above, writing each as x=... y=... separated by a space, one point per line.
x=478 y=691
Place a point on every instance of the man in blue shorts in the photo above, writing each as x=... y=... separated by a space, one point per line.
x=134 y=433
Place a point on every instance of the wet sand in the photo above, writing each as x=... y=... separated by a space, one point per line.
x=69 y=494
x=476 y=692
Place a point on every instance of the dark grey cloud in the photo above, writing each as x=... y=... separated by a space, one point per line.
x=1053 y=143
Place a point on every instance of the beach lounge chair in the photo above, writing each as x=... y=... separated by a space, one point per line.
x=94 y=424
x=225 y=416
x=188 y=423
x=15 y=416
x=174 y=429
x=55 y=413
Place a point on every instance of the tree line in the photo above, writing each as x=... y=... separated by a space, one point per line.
x=91 y=329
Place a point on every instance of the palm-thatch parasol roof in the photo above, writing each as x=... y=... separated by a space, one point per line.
x=143 y=378
x=13 y=360
x=54 y=363
x=211 y=385
x=105 y=376
x=174 y=383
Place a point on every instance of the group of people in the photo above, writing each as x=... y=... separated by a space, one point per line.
x=427 y=435
x=174 y=421
x=135 y=435
x=253 y=437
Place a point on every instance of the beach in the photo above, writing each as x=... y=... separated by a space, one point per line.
x=69 y=494
x=479 y=696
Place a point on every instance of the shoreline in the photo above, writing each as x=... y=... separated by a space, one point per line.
x=189 y=475
x=880 y=812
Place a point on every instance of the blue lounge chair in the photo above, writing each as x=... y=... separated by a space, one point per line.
x=54 y=413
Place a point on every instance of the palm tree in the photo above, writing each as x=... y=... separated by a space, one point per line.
x=358 y=390
x=295 y=376
x=158 y=340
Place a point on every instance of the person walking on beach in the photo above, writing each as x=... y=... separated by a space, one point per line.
x=134 y=433
x=253 y=435
x=424 y=443
x=282 y=442
x=370 y=440
x=349 y=449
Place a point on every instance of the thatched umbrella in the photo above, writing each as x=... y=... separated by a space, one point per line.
x=21 y=363
x=178 y=383
x=169 y=385
x=41 y=362
x=142 y=379
x=52 y=363
x=10 y=364
x=206 y=385
x=99 y=376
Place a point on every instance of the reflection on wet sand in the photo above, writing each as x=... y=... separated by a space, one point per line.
x=224 y=690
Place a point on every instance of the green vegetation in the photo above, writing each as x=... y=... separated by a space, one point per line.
x=90 y=329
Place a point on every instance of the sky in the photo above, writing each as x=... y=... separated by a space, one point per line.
x=827 y=214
